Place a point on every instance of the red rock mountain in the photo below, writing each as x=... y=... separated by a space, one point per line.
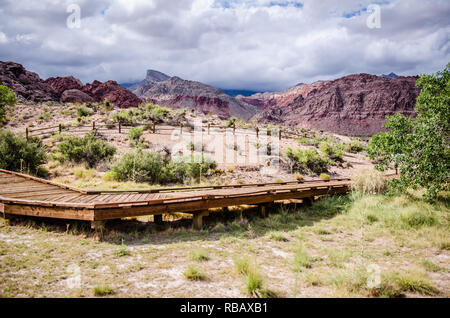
x=115 y=93
x=355 y=104
x=29 y=86
x=176 y=92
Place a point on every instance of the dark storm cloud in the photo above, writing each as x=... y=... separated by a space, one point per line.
x=257 y=44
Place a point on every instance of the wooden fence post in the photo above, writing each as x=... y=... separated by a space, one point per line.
x=181 y=128
x=26 y=132
x=154 y=127
x=60 y=128
x=234 y=129
x=209 y=126
x=93 y=125
x=279 y=133
x=120 y=127
x=257 y=132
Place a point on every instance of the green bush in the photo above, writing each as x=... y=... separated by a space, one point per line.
x=355 y=146
x=307 y=161
x=135 y=135
x=231 y=122
x=16 y=154
x=7 y=97
x=127 y=117
x=333 y=151
x=83 y=111
x=89 y=150
x=152 y=167
x=156 y=113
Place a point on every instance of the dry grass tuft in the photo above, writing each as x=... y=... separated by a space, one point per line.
x=368 y=181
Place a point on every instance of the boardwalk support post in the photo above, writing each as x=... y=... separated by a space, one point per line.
x=158 y=219
x=308 y=201
x=197 y=220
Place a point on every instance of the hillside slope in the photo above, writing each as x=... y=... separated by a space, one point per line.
x=355 y=104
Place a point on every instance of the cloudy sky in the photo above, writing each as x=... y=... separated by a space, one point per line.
x=254 y=44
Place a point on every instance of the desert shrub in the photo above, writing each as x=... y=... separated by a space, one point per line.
x=307 y=161
x=156 y=112
x=83 y=111
x=152 y=167
x=333 y=151
x=89 y=150
x=103 y=290
x=18 y=154
x=231 y=121
x=84 y=174
x=193 y=272
x=135 y=135
x=197 y=166
x=298 y=176
x=355 y=146
x=368 y=181
x=7 y=98
x=45 y=116
x=127 y=117
x=325 y=177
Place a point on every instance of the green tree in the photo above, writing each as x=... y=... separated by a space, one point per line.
x=7 y=97
x=419 y=146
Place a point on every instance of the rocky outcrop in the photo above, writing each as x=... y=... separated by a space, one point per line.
x=115 y=93
x=355 y=104
x=27 y=85
x=61 y=84
x=76 y=96
x=176 y=92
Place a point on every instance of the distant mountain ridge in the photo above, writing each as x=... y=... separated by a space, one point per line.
x=176 y=92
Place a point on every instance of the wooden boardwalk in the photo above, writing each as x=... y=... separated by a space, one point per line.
x=26 y=195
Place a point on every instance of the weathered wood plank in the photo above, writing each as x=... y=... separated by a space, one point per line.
x=50 y=212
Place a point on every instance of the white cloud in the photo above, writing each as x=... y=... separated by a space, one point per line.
x=256 y=44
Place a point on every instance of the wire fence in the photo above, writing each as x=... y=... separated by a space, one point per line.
x=152 y=127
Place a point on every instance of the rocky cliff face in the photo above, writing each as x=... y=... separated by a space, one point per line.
x=61 y=84
x=176 y=92
x=27 y=85
x=115 y=93
x=355 y=104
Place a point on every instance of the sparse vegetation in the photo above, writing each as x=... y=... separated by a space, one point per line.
x=146 y=166
x=18 y=154
x=89 y=150
x=193 y=272
x=199 y=255
x=7 y=98
x=103 y=290
x=306 y=161
x=369 y=181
